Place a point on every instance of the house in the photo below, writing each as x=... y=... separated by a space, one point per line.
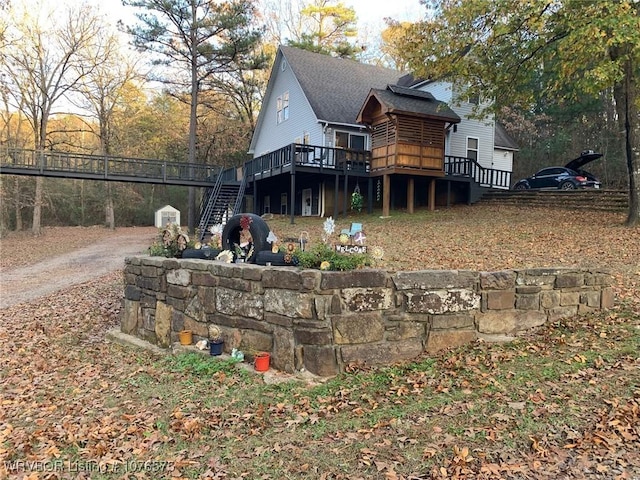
x=329 y=126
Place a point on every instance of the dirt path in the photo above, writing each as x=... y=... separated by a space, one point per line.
x=27 y=283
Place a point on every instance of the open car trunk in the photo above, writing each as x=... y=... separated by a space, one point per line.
x=585 y=157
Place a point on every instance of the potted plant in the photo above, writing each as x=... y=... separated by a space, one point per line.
x=216 y=342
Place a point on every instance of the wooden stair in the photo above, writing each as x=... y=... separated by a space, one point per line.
x=224 y=198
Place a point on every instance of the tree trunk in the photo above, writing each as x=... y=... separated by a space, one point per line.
x=17 y=202
x=83 y=205
x=37 y=207
x=193 y=115
x=625 y=93
x=110 y=220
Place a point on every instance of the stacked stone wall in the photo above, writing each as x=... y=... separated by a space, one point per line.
x=322 y=321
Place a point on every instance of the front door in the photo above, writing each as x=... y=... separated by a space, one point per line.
x=306 y=202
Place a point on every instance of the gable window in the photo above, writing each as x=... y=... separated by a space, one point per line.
x=282 y=107
x=351 y=140
x=473 y=148
x=474 y=100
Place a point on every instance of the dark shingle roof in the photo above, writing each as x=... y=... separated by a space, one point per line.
x=336 y=87
x=410 y=92
x=404 y=100
x=502 y=139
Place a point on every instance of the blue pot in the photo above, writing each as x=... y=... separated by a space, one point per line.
x=215 y=348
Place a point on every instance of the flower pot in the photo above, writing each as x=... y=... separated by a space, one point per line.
x=215 y=347
x=185 y=337
x=261 y=361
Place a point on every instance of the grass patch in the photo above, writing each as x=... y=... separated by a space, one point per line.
x=560 y=402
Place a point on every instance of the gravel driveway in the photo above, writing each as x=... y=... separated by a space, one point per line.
x=27 y=283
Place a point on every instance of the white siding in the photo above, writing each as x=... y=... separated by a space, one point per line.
x=272 y=135
x=503 y=160
x=440 y=90
x=471 y=128
x=483 y=130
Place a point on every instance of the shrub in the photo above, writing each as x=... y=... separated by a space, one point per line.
x=322 y=256
x=172 y=242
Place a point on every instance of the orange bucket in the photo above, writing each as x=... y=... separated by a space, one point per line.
x=261 y=361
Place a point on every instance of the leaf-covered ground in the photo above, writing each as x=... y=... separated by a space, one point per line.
x=562 y=402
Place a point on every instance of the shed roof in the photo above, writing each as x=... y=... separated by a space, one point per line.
x=168 y=208
x=503 y=140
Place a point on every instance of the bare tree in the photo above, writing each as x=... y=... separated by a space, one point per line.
x=198 y=39
x=101 y=91
x=324 y=26
x=44 y=59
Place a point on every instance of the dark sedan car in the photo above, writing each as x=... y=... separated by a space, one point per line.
x=569 y=177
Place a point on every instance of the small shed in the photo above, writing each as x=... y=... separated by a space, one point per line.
x=165 y=215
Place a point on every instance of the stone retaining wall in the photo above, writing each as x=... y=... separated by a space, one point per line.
x=322 y=321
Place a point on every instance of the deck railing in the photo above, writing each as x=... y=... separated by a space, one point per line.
x=359 y=161
x=298 y=155
x=97 y=167
x=485 y=177
x=288 y=158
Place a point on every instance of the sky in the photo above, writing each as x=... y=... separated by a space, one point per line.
x=370 y=13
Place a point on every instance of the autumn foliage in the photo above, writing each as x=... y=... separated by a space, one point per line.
x=561 y=402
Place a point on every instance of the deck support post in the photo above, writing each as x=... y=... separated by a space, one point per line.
x=432 y=194
x=386 y=194
x=410 y=194
x=336 y=196
x=293 y=197
x=346 y=191
x=256 y=193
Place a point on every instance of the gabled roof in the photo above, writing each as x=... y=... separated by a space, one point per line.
x=402 y=100
x=336 y=87
x=503 y=140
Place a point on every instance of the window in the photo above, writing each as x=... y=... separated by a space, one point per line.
x=351 y=140
x=267 y=204
x=282 y=107
x=474 y=99
x=550 y=171
x=357 y=142
x=342 y=140
x=472 y=148
x=168 y=217
x=283 y=204
x=285 y=105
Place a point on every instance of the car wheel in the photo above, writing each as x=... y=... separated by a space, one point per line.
x=520 y=186
x=567 y=186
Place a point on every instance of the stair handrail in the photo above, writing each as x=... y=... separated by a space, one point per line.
x=212 y=194
x=240 y=196
x=484 y=176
